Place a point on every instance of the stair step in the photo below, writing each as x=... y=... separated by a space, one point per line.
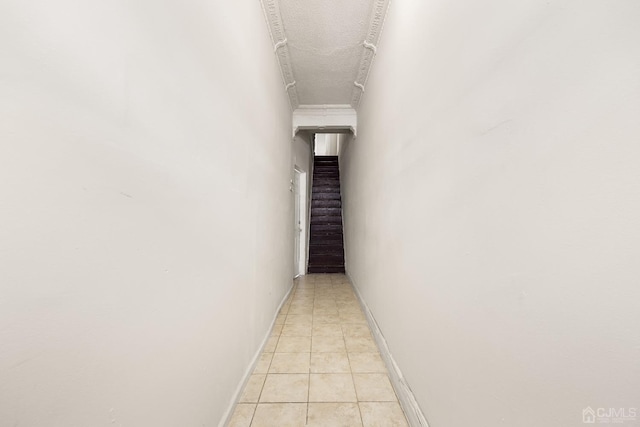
x=322 y=182
x=326 y=236
x=327 y=244
x=332 y=239
x=325 y=188
x=326 y=269
x=335 y=239
x=326 y=228
x=326 y=260
x=326 y=220
x=335 y=249
x=325 y=211
x=325 y=196
x=337 y=257
x=326 y=204
x=318 y=237
x=326 y=251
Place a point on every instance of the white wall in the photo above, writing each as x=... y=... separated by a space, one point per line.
x=145 y=212
x=326 y=144
x=491 y=204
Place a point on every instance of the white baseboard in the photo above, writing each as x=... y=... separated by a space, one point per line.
x=245 y=378
x=410 y=406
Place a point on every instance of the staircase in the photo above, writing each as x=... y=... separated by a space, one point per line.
x=326 y=252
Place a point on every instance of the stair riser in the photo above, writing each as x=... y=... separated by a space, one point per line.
x=325 y=196
x=325 y=189
x=327 y=241
x=326 y=220
x=326 y=260
x=326 y=253
x=326 y=270
x=326 y=211
x=326 y=204
x=328 y=182
x=326 y=228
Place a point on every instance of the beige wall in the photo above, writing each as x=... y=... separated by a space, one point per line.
x=491 y=205
x=145 y=211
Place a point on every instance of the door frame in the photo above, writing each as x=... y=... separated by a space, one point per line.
x=300 y=222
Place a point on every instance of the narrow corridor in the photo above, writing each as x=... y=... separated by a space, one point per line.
x=321 y=366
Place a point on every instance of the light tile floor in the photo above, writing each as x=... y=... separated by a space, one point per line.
x=321 y=366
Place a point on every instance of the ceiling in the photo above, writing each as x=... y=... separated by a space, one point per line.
x=325 y=47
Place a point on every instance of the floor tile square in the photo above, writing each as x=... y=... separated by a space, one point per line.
x=352 y=318
x=382 y=414
x=262 y=367
x=281 y=388
x=296 y=330
x=253 y=388
x=327 y=329
x=331 y=388
x=356 y=330
x=290 y=363
x=280 y=414
x=360 y=344
x=242 y=415
x=277 y=329
x=334 y=415
x=298 y=319
x=330 y=363
x=303 y=297
x=327 y=344
x=326 y=312
x=294 y=345
x=326 y=318
x=374 y=388
x=350 y=311
x=367 y=363
x=303 y=311
x=271 y=344
x=325 y=304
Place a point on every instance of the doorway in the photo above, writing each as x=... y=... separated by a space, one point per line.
x=327 y=144
x=300 y=222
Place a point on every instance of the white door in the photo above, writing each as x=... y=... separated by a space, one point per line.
x=300 y=222
x=297 y=223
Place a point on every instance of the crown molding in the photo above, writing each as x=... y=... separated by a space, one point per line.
x=369 y=49
x=271 y=10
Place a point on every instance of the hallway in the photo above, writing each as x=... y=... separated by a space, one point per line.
x=321 y=366
x=156 y=202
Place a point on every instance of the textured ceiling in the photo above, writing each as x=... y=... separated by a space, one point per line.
x=325 y=44
x=320 y=45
